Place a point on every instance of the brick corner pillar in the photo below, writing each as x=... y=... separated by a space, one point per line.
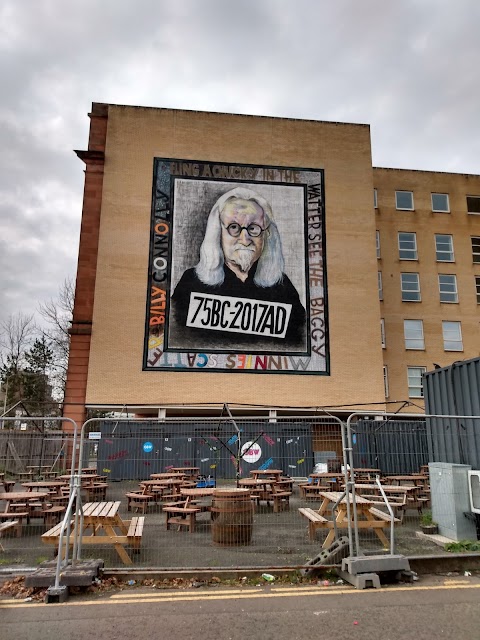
x=81 y=329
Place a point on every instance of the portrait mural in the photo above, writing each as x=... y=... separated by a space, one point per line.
x=237 y=269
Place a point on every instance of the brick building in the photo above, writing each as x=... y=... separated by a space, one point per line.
x=385 y=262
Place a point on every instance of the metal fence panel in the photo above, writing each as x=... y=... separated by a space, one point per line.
x=454 y=390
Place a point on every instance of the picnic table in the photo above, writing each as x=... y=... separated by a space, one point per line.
x=418 y=480
x=23 y=497
x=49 y=485
x=368 y=517
x=104 y=526
x=188 y=471
x=266 y=473
x=270 y=490
x=8 y=484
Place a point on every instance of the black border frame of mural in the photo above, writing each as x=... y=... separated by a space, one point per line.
x=169 y=220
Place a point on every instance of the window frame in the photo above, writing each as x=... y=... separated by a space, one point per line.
x=447 y=210
x=386 y=387
x=406 y=291
x=412 y=387
x=375 y=199
x=402 y=191
x=414 y=250
x=377 y=242
x=446 y=341
x=382 y=333
x=477 y=288
x=407 y=339
x=438 y=251
x=475 y=199
x=455 y=293
x=475 y=249
x=380 y=285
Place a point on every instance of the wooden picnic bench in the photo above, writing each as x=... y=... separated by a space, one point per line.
x=315 y=521
x=368 y=517
x=182 y=516
x=104 y=526
x=5 y=526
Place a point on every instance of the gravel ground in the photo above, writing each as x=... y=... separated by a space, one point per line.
x=278 y=540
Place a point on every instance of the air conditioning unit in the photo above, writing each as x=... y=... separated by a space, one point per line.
x=474 y=490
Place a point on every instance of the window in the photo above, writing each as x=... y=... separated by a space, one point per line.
x=415 y=383
x=444 y=248
x=382 y=332
x=476 y=250
x=378 y=244
x=477 y=287
x=452 y=336
x=385 y=381
x=413 y=331
x=380 y=286
x=407 y=246
x=447 y=285
x=404 y=200
x=375 y=199
x=410 y=287
x=473 y=204
x=440 y=203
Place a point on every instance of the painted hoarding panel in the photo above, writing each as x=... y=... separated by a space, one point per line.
x=237 y=269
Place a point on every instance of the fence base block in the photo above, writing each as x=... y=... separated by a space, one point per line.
x=56 y=595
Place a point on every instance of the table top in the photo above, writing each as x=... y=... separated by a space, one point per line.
x=165 y=482
x=255 y=482
x=264 y=472
x=101 y=510
x=185 y=469
x=387 y=487
x=163 y=476
x=44 y=483
x=326 y=475
x=23 y=495
x=197 y=493
x=83 y=476
x=333 y=496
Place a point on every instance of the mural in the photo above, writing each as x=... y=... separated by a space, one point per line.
x=236 y=275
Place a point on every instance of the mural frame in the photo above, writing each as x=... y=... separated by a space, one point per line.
x=176 y=184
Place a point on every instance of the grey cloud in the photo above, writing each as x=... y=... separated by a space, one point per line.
x=408 y=69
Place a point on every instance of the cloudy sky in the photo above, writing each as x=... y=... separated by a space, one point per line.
x=409 y=69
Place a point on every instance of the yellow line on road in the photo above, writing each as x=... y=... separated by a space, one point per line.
x=12 y=603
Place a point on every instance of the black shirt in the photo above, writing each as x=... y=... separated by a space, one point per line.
x=283 y=292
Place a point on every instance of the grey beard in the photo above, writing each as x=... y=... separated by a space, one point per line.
x=243 y=259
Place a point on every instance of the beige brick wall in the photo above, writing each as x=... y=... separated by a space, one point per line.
x=134 y=137
x=426 y=224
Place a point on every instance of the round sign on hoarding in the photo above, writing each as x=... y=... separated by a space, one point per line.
x=251 y=452
x=148 y=447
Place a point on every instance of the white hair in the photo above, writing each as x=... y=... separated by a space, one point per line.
x=271 y=265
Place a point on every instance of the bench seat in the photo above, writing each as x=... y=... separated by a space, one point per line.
x=53 y=515
x=315 y=521
x=181 y=516
x=135 y=531
x=381 y=515
x=5 y=526
x=18 y=516
x=139 y=501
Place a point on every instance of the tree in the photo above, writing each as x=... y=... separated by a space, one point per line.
x=37 y=390
x=16 y=335
x=58 y=315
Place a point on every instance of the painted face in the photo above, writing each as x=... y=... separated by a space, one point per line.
x=244 y=249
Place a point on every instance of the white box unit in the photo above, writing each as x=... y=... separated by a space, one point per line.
x=474 y=490
x=451 y=501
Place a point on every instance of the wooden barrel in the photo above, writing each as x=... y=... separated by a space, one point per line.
x=232 y=517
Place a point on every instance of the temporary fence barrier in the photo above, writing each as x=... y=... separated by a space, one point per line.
x=301 y=465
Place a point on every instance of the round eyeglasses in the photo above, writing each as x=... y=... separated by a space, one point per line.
x=254 y=230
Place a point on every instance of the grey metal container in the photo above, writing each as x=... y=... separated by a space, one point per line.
x=454 y=391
